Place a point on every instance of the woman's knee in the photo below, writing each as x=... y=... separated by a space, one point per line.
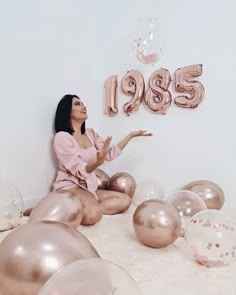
x=126 y=201
x=92 y=215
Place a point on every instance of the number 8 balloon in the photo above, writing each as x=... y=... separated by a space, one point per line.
x=157 y=97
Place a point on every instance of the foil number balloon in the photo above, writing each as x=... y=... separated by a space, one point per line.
x=157 y=97
x=184 y=82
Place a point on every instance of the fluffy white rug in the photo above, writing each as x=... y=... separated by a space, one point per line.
x=169 y=271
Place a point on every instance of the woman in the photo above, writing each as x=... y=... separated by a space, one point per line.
x=80 y=152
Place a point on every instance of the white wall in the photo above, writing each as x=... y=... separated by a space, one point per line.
x=50 y=48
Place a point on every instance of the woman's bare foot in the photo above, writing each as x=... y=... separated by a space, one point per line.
x=27 y=212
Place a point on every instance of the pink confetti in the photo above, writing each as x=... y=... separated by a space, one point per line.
x=209 y=245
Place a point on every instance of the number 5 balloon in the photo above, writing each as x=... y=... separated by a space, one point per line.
x=184 y=82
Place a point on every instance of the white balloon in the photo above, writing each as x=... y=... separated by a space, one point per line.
x=148 y=41
x=147 y=190
x=11 y=206
x=90 y=276
x=211 y=236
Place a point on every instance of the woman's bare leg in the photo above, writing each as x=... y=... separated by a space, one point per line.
x=113 y=202
x=93 y=211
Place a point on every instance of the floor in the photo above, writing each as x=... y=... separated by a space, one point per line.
x=168 y=271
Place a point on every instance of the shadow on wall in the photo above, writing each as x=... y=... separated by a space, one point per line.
x=55 y=164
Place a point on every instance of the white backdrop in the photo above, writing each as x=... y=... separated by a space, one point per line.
x=50 y=48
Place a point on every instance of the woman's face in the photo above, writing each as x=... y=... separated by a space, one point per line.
x=78 y=110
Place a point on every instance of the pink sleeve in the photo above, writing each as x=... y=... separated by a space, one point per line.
x=114 y=150
x=68 y=156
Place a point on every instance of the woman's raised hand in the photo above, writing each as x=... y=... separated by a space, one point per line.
x=101 y=154
x=140 y=133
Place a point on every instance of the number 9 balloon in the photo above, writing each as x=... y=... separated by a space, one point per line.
x=133 y=84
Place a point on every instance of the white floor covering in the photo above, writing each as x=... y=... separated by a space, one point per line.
x=168 y=271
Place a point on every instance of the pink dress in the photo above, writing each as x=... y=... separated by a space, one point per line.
x=73 y=160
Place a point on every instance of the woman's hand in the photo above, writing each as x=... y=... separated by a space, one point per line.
x=140 y=133
x=101 y=154
x=131 y=135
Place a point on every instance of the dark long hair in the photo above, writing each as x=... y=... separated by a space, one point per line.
x=63 y=115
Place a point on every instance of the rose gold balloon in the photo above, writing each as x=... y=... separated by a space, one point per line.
x=209 y=191
x=111 y=96
x=156 y=223
x=103 y=179
x=158 y=97
x=184 y=82
x=33 y=252
x=59 y=206
x=133 y=84
x=187 y=203
x=123 y=182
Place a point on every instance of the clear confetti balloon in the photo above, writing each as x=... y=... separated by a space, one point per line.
x=187 y=203
x=11 y=206
x=147 y=190
x=148 y=42
x=91 y=276
x=211 y=236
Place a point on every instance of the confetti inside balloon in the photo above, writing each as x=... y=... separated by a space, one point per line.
x=148 y=42
x=211 y=236
x=11 y=206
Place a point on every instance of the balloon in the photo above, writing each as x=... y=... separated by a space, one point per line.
x=156 y=223
x=158 y=97
x=103 y=179
x=111 y=96
x=133 y=84
x=59 y=206
x=146 y=190
x=148 y=42
x=11 y=206
x=209 y=191
x=184 y=82
x=187 y=203
x=211 y=236
x=91 y=276
x=122 y=182
x=33 y=252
